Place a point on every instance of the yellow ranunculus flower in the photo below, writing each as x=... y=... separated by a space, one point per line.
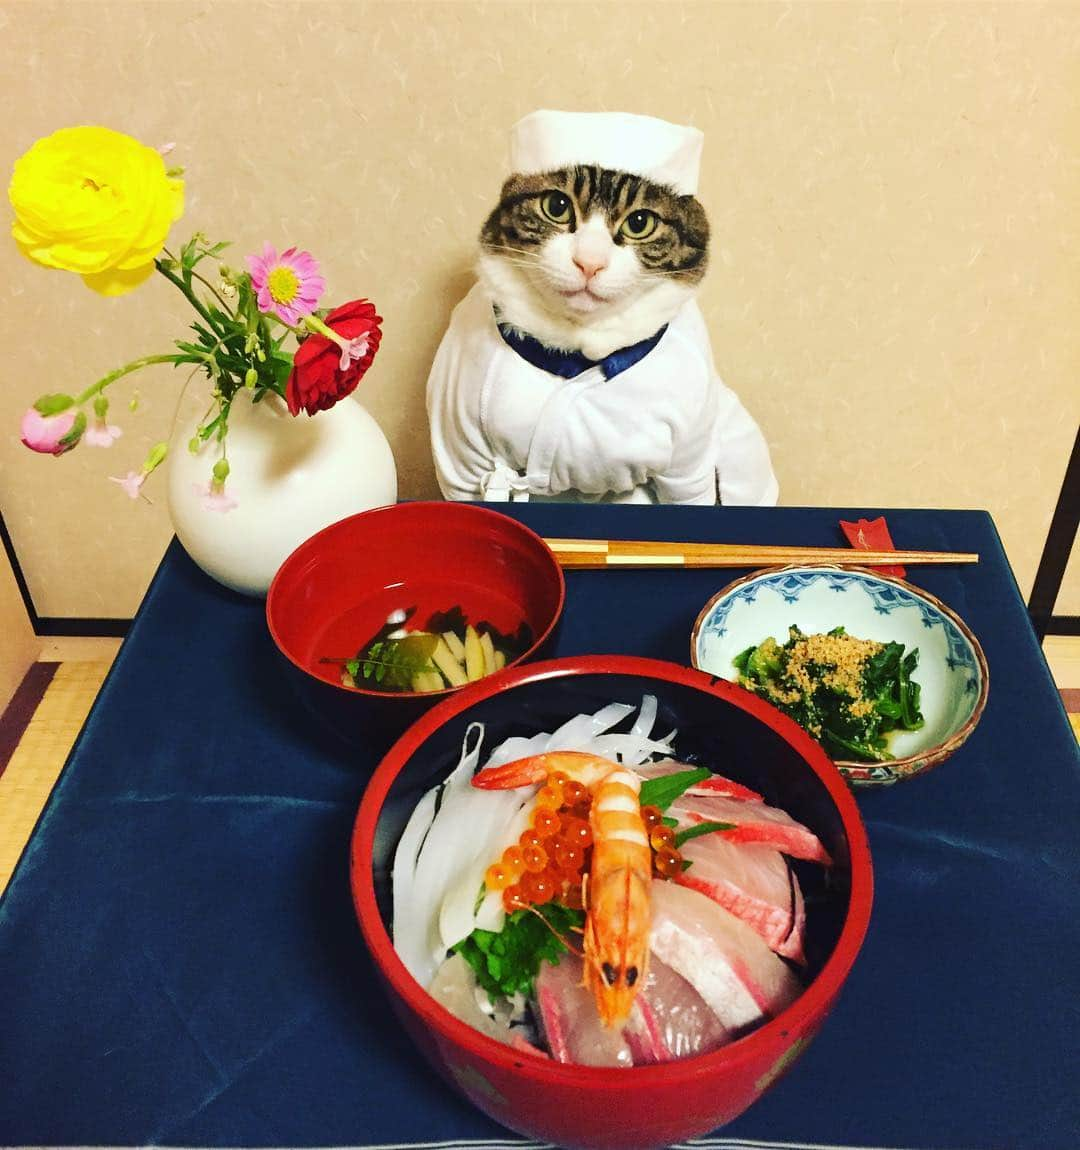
x=95 y=202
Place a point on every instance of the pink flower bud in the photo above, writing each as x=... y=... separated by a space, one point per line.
x=47 y=433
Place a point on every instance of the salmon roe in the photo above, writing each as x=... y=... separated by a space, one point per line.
x=550 y=796
x=574 y=793
x=568 y=854
x=661 y=836
x=546 y=822
x=537 y=888
x=577 y=830
x=551 y=855
x=497 y=877
x=652 y=817
x=667 y=861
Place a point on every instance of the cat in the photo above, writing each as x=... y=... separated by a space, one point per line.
x=579 y=367
x=592 y=260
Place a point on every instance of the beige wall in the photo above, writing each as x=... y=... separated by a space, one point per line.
x=894 y=191
x=20 y=646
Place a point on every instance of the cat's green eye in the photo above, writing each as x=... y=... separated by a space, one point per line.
x=639 y=225
x=556 y=206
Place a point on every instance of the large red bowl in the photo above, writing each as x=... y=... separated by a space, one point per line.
x=719 y=724
x=336 y=590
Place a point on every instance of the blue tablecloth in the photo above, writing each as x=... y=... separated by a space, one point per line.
x=179 y=961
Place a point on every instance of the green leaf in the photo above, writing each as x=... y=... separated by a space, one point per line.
x=394 y=662
x=187 y=254
x=506 y=962
x=665 y=789
x=352 y=666
x=53 y=404
x=699 y=829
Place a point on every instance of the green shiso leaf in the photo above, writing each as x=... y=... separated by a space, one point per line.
x=699 y=829
x=665 y=789
x=506 y=962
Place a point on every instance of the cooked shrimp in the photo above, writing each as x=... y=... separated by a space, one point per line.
x=616 y=944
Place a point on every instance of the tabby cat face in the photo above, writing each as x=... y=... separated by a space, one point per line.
x=590 y=241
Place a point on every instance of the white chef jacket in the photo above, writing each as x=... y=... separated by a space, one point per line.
x=665 y=430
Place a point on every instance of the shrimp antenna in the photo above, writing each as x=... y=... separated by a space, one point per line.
x=566 y=942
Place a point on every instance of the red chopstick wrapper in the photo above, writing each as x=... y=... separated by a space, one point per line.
x=872 y=535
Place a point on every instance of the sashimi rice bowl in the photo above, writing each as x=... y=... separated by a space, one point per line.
x=613 y=899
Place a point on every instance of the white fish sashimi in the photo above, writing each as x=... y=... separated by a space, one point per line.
x=752 y=881
x=722 y=958
x=571 y=1025
x=670 y=1019
x=755 y=822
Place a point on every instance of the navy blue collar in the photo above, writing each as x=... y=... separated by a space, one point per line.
x=568 y=364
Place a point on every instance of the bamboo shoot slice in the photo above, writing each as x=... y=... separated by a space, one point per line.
x=448 y=665
x=457 y=647
x=474 y=655
x=488 y=649
x=500 y=659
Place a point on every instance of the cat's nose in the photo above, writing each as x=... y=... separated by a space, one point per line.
x=590 y=264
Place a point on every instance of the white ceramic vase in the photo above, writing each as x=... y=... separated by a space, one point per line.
x=290 y=476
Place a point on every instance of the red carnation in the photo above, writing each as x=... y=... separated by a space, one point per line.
x=317 y=380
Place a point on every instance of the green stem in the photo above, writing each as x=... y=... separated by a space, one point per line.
x=313 y=323
x=127 y=369
x=210 y=287
x=191 y=297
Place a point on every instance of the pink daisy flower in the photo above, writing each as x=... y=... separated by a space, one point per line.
x=289 y=285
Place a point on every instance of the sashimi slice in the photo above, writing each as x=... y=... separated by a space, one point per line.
x=755 y=822
x=455 y=986
x=752 y=881
x=722 y=958
x=714 y=785
x=670 y=1019
x=570 y=1020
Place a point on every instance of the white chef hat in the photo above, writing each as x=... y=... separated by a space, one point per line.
x=643 y=145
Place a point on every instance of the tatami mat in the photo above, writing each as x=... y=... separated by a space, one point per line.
x=37 y=760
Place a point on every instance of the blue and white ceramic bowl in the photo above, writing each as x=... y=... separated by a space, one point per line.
x=952 y=669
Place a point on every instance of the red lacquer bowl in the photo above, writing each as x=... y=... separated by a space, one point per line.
x=719 y=724
x=336 y=590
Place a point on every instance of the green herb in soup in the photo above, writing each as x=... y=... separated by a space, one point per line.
x=449 y=652
x=848 y=693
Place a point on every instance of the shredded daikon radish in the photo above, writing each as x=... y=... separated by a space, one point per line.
x=643 y=724
x=409 y=926
x=489 y=832
x=436 y=865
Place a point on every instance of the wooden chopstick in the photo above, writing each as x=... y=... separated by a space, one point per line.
x=591 y=554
